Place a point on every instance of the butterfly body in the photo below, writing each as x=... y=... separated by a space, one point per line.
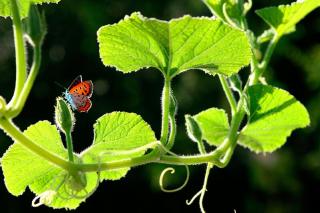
x=78 y=94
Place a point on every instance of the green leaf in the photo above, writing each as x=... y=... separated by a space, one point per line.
x=22 y=168
x=117 y=131
x=274 y=114
x=175 y=46
x=24 y=5
x=214 y=125
x=233 y=8
x=284 y=17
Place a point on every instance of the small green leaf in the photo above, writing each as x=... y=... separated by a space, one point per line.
x=274 y=114
x=233 y=9
x=117 y=131
x=284 y=17
x=24 y=5
x=22 y=168
x=175 y=46
x=214 y=125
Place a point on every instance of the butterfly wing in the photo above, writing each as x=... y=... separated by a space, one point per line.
x=83 y=88
x=75 y=82
x=86 y=106
x=82 y=103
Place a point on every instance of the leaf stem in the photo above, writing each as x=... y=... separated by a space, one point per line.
x=29 y=83
x=165 y=110
x=21 y=66
x=69 y=146
x=229 y=94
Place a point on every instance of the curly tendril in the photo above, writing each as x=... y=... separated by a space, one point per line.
x=172 y=171
x=44 y=198
x=48 y=196
x=227 y=17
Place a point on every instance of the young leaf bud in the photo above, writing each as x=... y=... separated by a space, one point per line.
x=35 y=26
x=193 y=129
x=64 y=116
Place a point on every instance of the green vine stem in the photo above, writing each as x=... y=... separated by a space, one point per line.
x=165 y=110
x=29 y=83
x=21 y=66
x=18 y=136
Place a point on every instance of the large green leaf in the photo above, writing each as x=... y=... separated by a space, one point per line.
x=175 y=46
x=284 y=17
x=22 y=168
x=274 y=114
x=117 y=131
x=23 y=5
x=214 y=125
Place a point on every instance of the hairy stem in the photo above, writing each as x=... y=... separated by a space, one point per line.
x=69 y=146
x=229 y=94
x=21 y=66
x=165 y=110
x=29 y=83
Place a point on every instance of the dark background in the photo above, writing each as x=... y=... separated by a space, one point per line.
x=284 y=181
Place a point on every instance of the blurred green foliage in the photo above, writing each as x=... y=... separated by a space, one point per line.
x=285 y=181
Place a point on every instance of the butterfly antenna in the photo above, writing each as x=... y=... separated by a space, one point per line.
x=60 y=85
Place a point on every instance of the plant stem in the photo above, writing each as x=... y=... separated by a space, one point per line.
x=165 y=110
x=21 y=67
x=17 y=135
x=69 y=146
x=266 y=59
x=29 y=83
x=229 y=94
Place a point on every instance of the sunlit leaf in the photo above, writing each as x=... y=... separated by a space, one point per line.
x=175 y=46
x=274 y=114
x=284 y=17
x=117 y=131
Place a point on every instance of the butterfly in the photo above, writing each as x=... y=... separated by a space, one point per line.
x=78 y=94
